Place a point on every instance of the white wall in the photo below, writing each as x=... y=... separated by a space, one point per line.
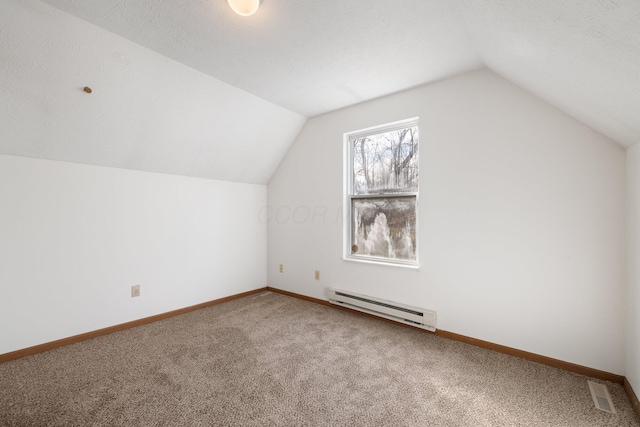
x=74 y=238
x=146 y=112
x=521 y=227
x=632 y=369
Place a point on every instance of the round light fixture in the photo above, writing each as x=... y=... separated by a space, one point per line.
x=244 y=7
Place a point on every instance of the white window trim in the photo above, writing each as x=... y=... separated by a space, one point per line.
x=347 y=197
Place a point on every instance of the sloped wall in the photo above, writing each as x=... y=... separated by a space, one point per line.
x=146 y=112
x=75 y=238
x=521 y=222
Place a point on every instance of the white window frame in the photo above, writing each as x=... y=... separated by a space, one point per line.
x=349 y=196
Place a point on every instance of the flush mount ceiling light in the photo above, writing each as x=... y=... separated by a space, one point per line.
x=244 y=7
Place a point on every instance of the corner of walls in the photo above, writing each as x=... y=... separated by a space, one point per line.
x=632 y=363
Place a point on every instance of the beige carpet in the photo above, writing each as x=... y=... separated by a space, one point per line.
x=269 y=359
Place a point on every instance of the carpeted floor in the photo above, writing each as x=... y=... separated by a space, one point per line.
x=269 y=359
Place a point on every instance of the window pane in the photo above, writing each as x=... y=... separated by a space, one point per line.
x=384 y=227
x=386 y=162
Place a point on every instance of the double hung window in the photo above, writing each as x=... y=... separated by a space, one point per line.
x=382 y=193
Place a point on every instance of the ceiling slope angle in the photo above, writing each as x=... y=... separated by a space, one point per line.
x=145 y=111
x=191 y=88
x=308 y=56
x=581 y=56
x=311 y=57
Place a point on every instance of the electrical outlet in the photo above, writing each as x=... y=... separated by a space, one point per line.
x=281 y=268
x=317 y=274
x=135 y=291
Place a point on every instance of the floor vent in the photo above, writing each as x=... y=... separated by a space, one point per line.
x=601 y=397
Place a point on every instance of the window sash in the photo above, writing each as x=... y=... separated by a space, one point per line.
x=350 y=227
x=383 y=165
x=384 y=228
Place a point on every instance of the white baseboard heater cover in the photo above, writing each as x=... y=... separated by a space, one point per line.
x=402 y=313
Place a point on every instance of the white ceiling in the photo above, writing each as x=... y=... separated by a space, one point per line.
x=311 y=56
x=307 y=56
x=146 y=112
x=300 y=58
x=582 y=56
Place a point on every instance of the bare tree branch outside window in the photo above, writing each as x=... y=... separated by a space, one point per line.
x=384 y=168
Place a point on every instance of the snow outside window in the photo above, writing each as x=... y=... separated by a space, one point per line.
x=382 y=193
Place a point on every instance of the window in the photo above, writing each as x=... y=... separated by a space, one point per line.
x=382 y=193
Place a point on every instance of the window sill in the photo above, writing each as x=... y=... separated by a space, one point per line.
x=382 y=263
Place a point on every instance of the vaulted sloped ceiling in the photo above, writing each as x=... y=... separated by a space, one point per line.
x=146 y=112
x=582 y=56
x=222 y=96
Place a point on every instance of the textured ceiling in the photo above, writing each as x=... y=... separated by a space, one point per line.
x=582 y=56
x=146 y=112
x=307 y=56
x=310 y=56
x=180 y=80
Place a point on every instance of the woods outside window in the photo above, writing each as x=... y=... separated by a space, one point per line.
x=382 y=193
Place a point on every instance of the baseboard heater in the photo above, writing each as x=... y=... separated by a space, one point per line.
x=402 y=313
